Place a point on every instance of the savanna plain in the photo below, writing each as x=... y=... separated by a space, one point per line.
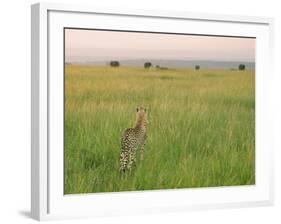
x=201 y=130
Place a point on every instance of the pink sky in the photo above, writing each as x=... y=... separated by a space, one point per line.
x=93 y=45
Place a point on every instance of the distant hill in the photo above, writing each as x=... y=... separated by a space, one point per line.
x=177 y=63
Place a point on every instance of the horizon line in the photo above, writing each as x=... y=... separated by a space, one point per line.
x=159 y=59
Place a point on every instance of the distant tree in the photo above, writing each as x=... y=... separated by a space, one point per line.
x=114 y=64
x=157 y=66
x=242 y=67
x=147 y=64
x=197 y=67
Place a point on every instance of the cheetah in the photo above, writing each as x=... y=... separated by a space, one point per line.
x=132 y=139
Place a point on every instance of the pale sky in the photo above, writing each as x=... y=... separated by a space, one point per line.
x=93 y=45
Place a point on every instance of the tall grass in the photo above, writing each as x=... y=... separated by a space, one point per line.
x=201 y=130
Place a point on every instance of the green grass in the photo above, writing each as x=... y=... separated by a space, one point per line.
x=201 y=130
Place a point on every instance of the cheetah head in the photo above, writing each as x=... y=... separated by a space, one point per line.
x=142 y=114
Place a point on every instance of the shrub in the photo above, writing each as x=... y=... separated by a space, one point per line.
x=147 y=64
x=242 y=67
x=114 y=64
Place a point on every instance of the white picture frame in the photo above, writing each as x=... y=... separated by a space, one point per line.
x=47 y=198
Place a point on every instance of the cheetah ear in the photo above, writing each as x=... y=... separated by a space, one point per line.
x=137 y=109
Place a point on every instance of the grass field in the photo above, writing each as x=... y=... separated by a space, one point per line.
x=201 y=130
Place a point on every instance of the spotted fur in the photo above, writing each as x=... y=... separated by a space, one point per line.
x=132 y=140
